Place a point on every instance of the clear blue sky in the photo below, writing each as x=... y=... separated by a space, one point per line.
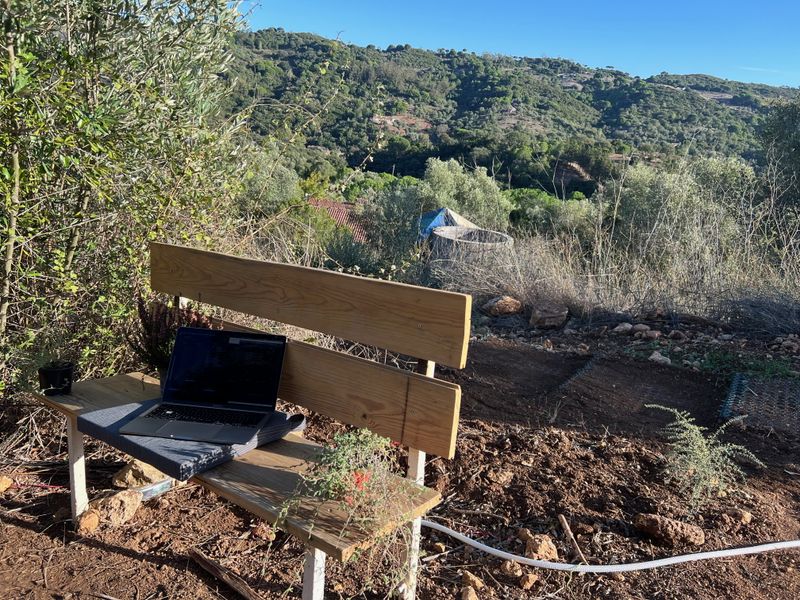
x=745 y=40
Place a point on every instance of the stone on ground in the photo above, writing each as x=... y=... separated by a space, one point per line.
x=640 y=327
x=87 y=522
x=5 y=483
x=509 y=567
x=472 y=581
x=469 y=593
x=669 y=531
x=622 y=328
x=526 y=581
x=502 y=305
x=740 y=516
x=548 y=315
x=659 y=358
x=541 y=547
x=119 y=508
x=137 y=474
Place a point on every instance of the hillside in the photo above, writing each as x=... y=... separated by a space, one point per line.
x=457 y=104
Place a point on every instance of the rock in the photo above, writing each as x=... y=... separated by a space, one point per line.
x=502 y=305
x=659 y=358
x=740 y=516
x=669 y=531
x=472 y=581
x=541 y=547
x=137 y=474
x=622 y=328
x=548 y=315
x=468 y=593
x=439 y=547
x=263 y=531
x=725 y=337
x=509 y=567
x=526 y=581
x=88 y=521
x=790 y=346
x=501 y=477
x=640 y=327
x=651 y=334
x=524 y=534
x=119 y=508
x=677 y=335
x=5 y=483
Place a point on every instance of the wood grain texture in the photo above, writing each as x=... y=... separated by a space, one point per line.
x=416 y=321
x=263 y=480
x=94 y=394
x=406 y=407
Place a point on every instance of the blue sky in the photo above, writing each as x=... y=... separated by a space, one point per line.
x=743 y=40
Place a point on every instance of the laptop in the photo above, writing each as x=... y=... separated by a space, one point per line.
x=221 y=387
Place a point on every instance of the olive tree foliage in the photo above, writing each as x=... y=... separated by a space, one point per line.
x=472 y=193
x=395 y=210
x=781 y=139
x=110 y=136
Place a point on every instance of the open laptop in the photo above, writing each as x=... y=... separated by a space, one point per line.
x=221 y=387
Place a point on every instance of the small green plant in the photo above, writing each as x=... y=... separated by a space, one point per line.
x=355 y=469
x=703 y=465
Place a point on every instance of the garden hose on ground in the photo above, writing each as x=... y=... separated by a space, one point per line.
x=638 y=566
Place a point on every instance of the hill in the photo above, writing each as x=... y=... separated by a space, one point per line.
x=502 y=112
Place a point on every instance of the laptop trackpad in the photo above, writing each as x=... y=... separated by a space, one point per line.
x=190 y=431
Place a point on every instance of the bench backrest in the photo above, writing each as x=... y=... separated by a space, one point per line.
x=417 y=411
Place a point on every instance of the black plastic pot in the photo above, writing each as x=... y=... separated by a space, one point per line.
x=56 y=378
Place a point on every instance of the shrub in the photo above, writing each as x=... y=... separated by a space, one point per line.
x=703 y=466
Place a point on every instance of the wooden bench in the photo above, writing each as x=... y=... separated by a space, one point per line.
x=414 y=409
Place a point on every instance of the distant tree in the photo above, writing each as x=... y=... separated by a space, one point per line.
x=781 y=138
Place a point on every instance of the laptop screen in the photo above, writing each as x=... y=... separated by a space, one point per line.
x=218 y=367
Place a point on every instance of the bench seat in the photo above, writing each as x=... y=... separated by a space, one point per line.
x=263 y=480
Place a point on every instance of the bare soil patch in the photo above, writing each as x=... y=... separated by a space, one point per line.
x=544 y=432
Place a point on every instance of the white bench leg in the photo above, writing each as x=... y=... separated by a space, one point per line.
x=314 y=575
x=416 y=472
x=79 y=501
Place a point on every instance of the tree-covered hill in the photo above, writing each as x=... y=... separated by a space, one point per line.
x=405 y=105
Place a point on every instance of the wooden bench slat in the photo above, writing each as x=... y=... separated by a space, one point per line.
x=404 y=406
x=420 y=322
x=263 y=479
x=419 y=412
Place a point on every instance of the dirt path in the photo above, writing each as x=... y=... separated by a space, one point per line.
x=543 y=433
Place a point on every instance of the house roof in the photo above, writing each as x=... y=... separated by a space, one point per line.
x=342 y=213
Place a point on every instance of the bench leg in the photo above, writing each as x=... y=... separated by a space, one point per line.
x=314 y=575
x=416 y=472
x=79 y=501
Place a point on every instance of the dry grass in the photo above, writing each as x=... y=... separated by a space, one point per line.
x=738 y=262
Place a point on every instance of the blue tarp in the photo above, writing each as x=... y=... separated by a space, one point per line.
x=440 y=217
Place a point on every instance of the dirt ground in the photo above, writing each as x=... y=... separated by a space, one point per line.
x=550 y=425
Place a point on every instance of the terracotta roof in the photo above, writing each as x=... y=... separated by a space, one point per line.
x=342 y=213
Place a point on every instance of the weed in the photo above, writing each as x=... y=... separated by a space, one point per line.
x=355 y=470
x=359 y=470
x=703 y=465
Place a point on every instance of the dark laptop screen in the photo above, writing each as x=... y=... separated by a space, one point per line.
x=212 y=366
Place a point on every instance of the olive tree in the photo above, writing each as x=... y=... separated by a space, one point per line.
x=110 y=135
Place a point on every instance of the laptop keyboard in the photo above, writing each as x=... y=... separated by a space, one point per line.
x=194 y=414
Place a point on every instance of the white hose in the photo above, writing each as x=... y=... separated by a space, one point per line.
x=639 y=566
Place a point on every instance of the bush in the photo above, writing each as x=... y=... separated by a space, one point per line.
x=703 y=466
